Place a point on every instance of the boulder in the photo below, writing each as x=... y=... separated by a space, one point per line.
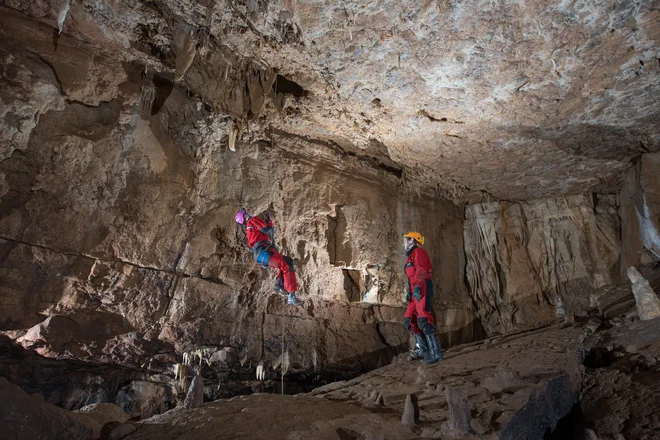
x=104 y=413
x=28 y=417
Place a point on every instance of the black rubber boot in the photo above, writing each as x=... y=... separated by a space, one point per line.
x=292 y=300
x=421 y=349
x=434 y=355
x=279 y=287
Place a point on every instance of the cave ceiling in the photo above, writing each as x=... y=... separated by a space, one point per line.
x=480 y=99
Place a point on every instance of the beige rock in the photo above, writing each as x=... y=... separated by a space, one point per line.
x=121 y=431
x=104 y=413
x=410 y=415
x=458 y=424
x=648 y=304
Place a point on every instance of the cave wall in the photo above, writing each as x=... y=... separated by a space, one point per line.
x=640 y=213
x=530 y=262
x=117 y=197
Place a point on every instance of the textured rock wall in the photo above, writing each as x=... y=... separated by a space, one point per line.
x=117 y=240
x=528 y=262
x=640 y=213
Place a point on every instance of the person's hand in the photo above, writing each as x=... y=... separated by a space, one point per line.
x=268 y=217
x=408 y=296
x=418 y=294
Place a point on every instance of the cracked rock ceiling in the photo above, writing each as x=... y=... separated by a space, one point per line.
x=506 y=99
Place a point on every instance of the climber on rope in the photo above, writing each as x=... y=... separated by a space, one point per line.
x=418 y=318
x=260 y=235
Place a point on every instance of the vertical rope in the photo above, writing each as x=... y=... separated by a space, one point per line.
x=282 y=356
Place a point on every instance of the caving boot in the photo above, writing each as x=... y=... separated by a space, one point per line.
x=434 y=354
x=421 y=349
x=292 y=300
x=279 y=286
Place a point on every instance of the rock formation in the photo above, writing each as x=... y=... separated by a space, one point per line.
x=530 y=262
x=648 y=304
x=640 y=212
x=195 y=395
x=28 y=417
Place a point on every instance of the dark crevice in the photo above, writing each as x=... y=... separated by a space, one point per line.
x=571 y=426
x=352 y=285
x=380 y=335
x=288 y=87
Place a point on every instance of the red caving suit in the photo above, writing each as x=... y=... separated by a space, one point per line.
x=266 y=254
x=418 y=271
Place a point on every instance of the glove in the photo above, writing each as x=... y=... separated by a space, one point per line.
x=268 y=217
x=418 y=294
x=408 y=296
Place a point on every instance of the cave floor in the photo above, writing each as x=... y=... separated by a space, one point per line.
x=519 y=383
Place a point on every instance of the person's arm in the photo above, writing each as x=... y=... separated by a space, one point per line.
x=263 y=226
x=422 y=271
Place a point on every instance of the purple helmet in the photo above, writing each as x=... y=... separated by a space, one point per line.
x=240 y=216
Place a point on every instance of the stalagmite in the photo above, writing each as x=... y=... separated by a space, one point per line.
x=458 y=424
x=195 y=396
x=410 y=411
x=648 y=304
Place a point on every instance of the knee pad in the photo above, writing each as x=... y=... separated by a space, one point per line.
x=289 y=261
x=426 y=326
x=406 y=322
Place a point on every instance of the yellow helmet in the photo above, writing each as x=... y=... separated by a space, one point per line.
x=419 y=238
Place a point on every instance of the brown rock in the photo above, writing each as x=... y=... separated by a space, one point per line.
x=104 y=413
x=54 y=330
x=509 y=247
x=28 y=417
x=121 y=431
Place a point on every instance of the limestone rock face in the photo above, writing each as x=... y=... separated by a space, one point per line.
x=529 y=262
x=117 y=238
x=640 y=213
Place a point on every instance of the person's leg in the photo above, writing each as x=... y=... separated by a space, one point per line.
x=424 y=309
x=285 y=267
x=410 y=321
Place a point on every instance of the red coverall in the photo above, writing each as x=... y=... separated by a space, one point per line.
x=257 y=236
x=419 y=313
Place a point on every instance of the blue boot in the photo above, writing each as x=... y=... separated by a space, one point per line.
x=434 y=354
